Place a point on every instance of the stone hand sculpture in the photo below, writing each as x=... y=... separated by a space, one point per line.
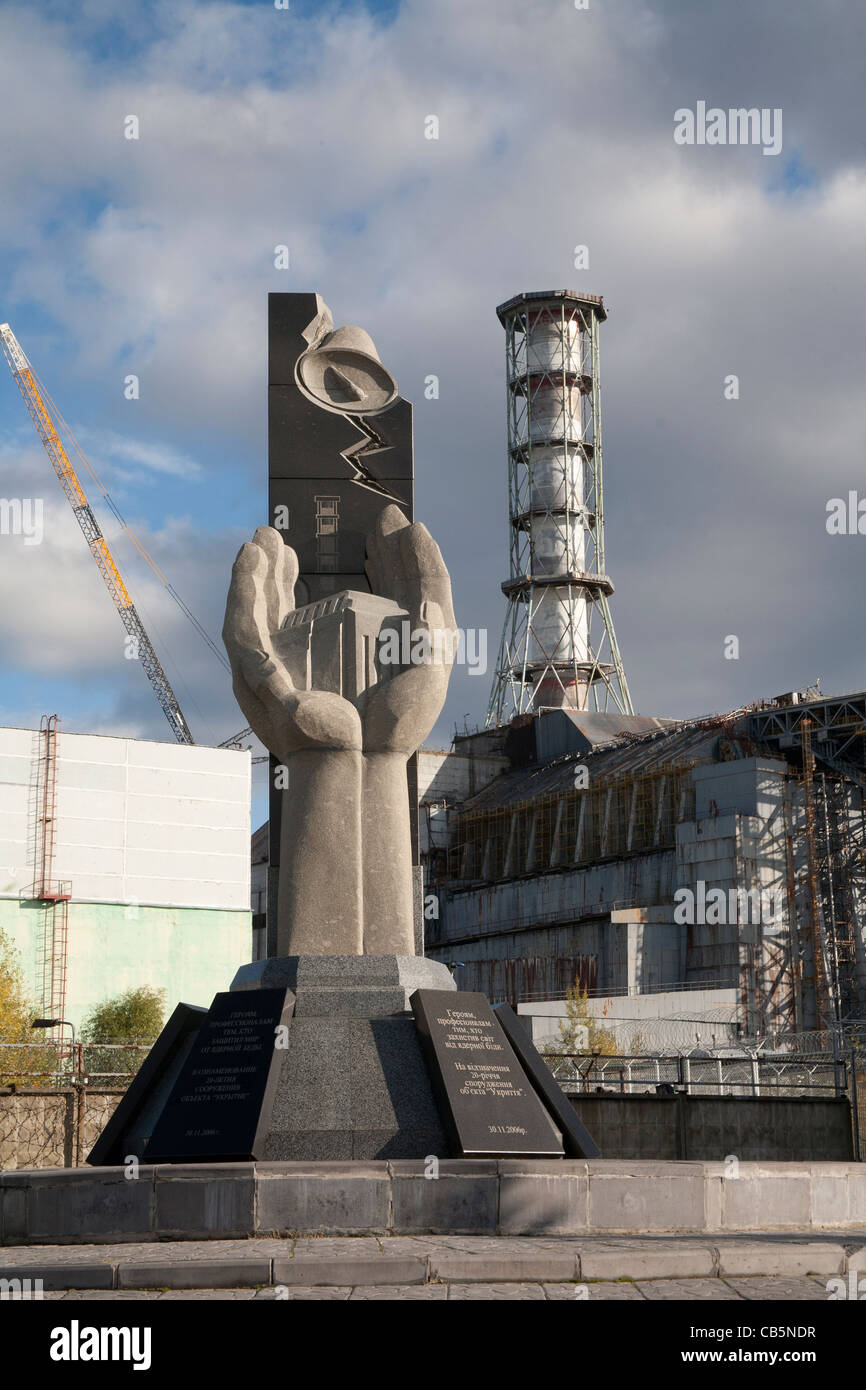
x=342 y=692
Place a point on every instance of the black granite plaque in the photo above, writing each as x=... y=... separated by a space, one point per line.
x=484 y=1095
x=577 y=1139
x=131 y=1125
x=219 y=1106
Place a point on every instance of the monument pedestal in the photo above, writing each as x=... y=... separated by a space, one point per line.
x=352 y=1083
x=308 y=1058
x=382 y=984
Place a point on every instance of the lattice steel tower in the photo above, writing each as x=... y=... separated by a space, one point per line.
x=558 y=644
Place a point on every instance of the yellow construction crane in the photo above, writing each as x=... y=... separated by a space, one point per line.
x=44 y=414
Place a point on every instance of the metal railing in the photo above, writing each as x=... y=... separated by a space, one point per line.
x=55 y=1065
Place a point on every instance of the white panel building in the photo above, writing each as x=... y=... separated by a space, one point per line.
x=151 y=843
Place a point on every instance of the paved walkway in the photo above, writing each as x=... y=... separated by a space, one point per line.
x=748 y=1267
x=700 y=1290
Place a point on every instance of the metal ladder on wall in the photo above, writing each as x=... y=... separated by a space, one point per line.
x=53 y=895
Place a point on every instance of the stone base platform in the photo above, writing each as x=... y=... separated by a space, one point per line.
x=514 y=1197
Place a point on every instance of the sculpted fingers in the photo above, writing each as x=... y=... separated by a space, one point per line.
x=241 y=623
x=246 y=630
x=279 y=580
x=384 y=569
x=427 y=578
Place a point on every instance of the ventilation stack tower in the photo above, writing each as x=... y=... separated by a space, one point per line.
x=558 y=647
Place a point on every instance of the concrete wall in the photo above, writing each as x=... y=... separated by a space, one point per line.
x=537 y=921
x=190 y=953
x=136 y=821
x=448 y=776
x=46 y=1129
x=154 y=842
x=445 y=780
x=716 y=1128
x=738 y=840
x=750 y=786
x=488 y=1197
x=709 y=1014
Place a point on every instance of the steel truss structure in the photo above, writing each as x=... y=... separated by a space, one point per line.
x=838 y=728
x=558 y=644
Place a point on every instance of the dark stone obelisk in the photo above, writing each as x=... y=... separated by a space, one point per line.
x=324 y=504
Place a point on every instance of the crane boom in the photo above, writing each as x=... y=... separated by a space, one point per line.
x=25 y=379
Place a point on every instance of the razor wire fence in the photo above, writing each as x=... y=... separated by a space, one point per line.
x=749 y=1073
x=742 y=1075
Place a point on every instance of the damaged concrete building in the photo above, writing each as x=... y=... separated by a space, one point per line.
x=709 y=871
x=646 y=858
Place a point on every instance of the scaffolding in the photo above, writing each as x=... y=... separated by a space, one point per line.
x=831 y=835
x=841 y=880
x=619 y=816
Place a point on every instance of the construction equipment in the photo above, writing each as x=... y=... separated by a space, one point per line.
x=44 y=414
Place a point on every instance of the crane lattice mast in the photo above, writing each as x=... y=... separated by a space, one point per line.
x=27 y=383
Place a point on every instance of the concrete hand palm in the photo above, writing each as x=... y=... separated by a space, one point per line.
x=395 y=715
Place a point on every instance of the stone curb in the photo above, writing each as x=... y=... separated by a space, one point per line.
x=399 y=1269
x=743 y=1260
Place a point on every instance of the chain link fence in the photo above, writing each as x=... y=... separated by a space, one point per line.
x=57 y=1097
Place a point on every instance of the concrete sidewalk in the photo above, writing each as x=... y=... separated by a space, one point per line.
x=357 y=1266
x=811 y=1290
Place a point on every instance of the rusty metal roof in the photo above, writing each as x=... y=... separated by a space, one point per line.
x=692 y=741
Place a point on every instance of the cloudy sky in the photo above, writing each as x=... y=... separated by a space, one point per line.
x=306 y=127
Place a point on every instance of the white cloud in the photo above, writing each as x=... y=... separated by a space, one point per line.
x=155 y=458
x=59 y=625
x=555 y=129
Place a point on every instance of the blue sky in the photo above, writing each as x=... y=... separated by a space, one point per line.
x=306 y=127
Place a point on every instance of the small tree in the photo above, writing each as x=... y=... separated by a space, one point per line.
x=22 y=1066
x=580 y=1031
x=136 y=1016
